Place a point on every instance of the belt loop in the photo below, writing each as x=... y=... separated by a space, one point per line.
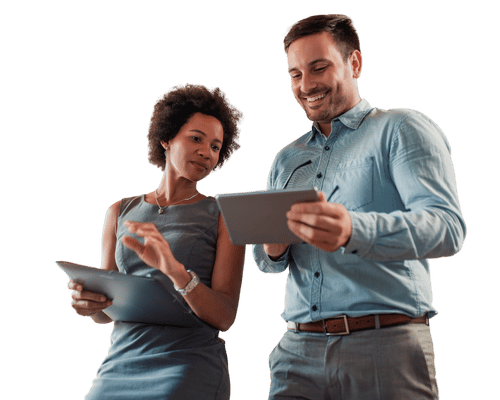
x=377 y=321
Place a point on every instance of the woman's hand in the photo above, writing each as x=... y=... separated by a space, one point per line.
x=87 y=303
x=155 y=251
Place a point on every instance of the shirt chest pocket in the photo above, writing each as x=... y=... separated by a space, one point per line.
x=354 y=180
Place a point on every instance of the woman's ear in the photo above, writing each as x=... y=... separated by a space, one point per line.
x=164 y=144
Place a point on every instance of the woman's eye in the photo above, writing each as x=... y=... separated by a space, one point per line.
x=215 y=148
x=195 y=138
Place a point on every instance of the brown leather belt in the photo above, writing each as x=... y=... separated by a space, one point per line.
x=343 y=325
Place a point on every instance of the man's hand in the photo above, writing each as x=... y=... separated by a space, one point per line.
x=324 y=225
x=275 y=251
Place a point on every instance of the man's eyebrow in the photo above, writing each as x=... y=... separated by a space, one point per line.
x=204 y=134
x=319 y=60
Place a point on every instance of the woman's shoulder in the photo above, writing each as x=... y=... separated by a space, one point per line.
x=118 y=207
x=209 y=204
x=203 y=212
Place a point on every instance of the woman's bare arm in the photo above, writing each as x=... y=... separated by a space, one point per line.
x=216 y=305
x=89 y=303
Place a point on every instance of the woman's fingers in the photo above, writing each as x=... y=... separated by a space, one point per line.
x=155 y=251
x=86 y=295
x=87 y=308
x=142 y=228
x=85 y=302
x=133 y=244
x=74 y=285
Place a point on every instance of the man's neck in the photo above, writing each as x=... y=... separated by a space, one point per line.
x=325 y=127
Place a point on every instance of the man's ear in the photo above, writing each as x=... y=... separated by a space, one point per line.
x=356 y=62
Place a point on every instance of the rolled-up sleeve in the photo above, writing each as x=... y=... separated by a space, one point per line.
x=265 y=263
x=432 y=225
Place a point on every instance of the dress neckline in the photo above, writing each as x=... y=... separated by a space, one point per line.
x=143 y=199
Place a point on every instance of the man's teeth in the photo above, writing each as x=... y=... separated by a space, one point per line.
x=319 y=97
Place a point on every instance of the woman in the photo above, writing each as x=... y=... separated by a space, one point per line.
x=193 y=130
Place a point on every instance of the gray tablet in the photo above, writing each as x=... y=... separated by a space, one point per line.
x=135 y=298
x=260 y=217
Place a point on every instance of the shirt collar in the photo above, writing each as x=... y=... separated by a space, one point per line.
x=351 y=118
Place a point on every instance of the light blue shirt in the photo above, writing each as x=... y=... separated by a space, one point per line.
x=392 y=170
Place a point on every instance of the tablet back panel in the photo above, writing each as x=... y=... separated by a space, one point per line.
x=135 y=298
x=260 y=217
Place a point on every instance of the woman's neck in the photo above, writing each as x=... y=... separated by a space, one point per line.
x=175 y=190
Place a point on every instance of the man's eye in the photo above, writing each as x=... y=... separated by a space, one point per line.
x=320 y=69
x=195 y=138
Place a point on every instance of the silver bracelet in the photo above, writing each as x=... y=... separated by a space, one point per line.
x=191 y=285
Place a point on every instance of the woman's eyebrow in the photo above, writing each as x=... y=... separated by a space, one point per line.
x=204 y=134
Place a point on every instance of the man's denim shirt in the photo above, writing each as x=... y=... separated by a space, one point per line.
x=392 y=170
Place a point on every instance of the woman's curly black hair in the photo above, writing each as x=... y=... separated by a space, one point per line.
x=177 y=106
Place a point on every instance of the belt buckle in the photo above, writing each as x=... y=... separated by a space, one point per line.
x=346 y=332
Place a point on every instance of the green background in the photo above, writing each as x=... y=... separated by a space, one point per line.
x=78 y=84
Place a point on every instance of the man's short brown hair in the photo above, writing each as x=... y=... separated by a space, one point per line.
x=339 y=26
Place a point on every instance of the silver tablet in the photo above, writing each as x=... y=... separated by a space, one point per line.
x=135 y=298
x=260 y=217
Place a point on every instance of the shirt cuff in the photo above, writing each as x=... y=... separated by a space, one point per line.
x=362 y=235
x=266 y=264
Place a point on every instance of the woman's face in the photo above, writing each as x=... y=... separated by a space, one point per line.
x=194 y=152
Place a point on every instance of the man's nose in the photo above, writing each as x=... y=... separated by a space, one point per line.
x=307 y=83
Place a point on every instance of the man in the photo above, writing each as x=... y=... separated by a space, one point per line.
x=358 y=295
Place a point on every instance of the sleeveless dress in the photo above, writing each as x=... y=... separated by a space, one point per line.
x=160 y=361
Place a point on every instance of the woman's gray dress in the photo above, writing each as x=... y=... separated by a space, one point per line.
x=165 y=362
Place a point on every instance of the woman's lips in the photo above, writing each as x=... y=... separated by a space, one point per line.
x=200 y=165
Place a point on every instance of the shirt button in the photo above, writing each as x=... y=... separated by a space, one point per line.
x=319 y=175
x=327 y=148
x=314 y=308
x=317 y=274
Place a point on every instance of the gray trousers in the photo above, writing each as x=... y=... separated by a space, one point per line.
x=378 y=364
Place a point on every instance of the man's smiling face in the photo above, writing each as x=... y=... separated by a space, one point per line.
x=322 y=82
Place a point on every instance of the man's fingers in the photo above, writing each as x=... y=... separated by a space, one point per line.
x=317 y=207
x=322 y=197
x=323 y=240
x=308 y=233
x=314 y=220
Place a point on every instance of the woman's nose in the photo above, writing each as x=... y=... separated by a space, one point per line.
x=204 y=150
